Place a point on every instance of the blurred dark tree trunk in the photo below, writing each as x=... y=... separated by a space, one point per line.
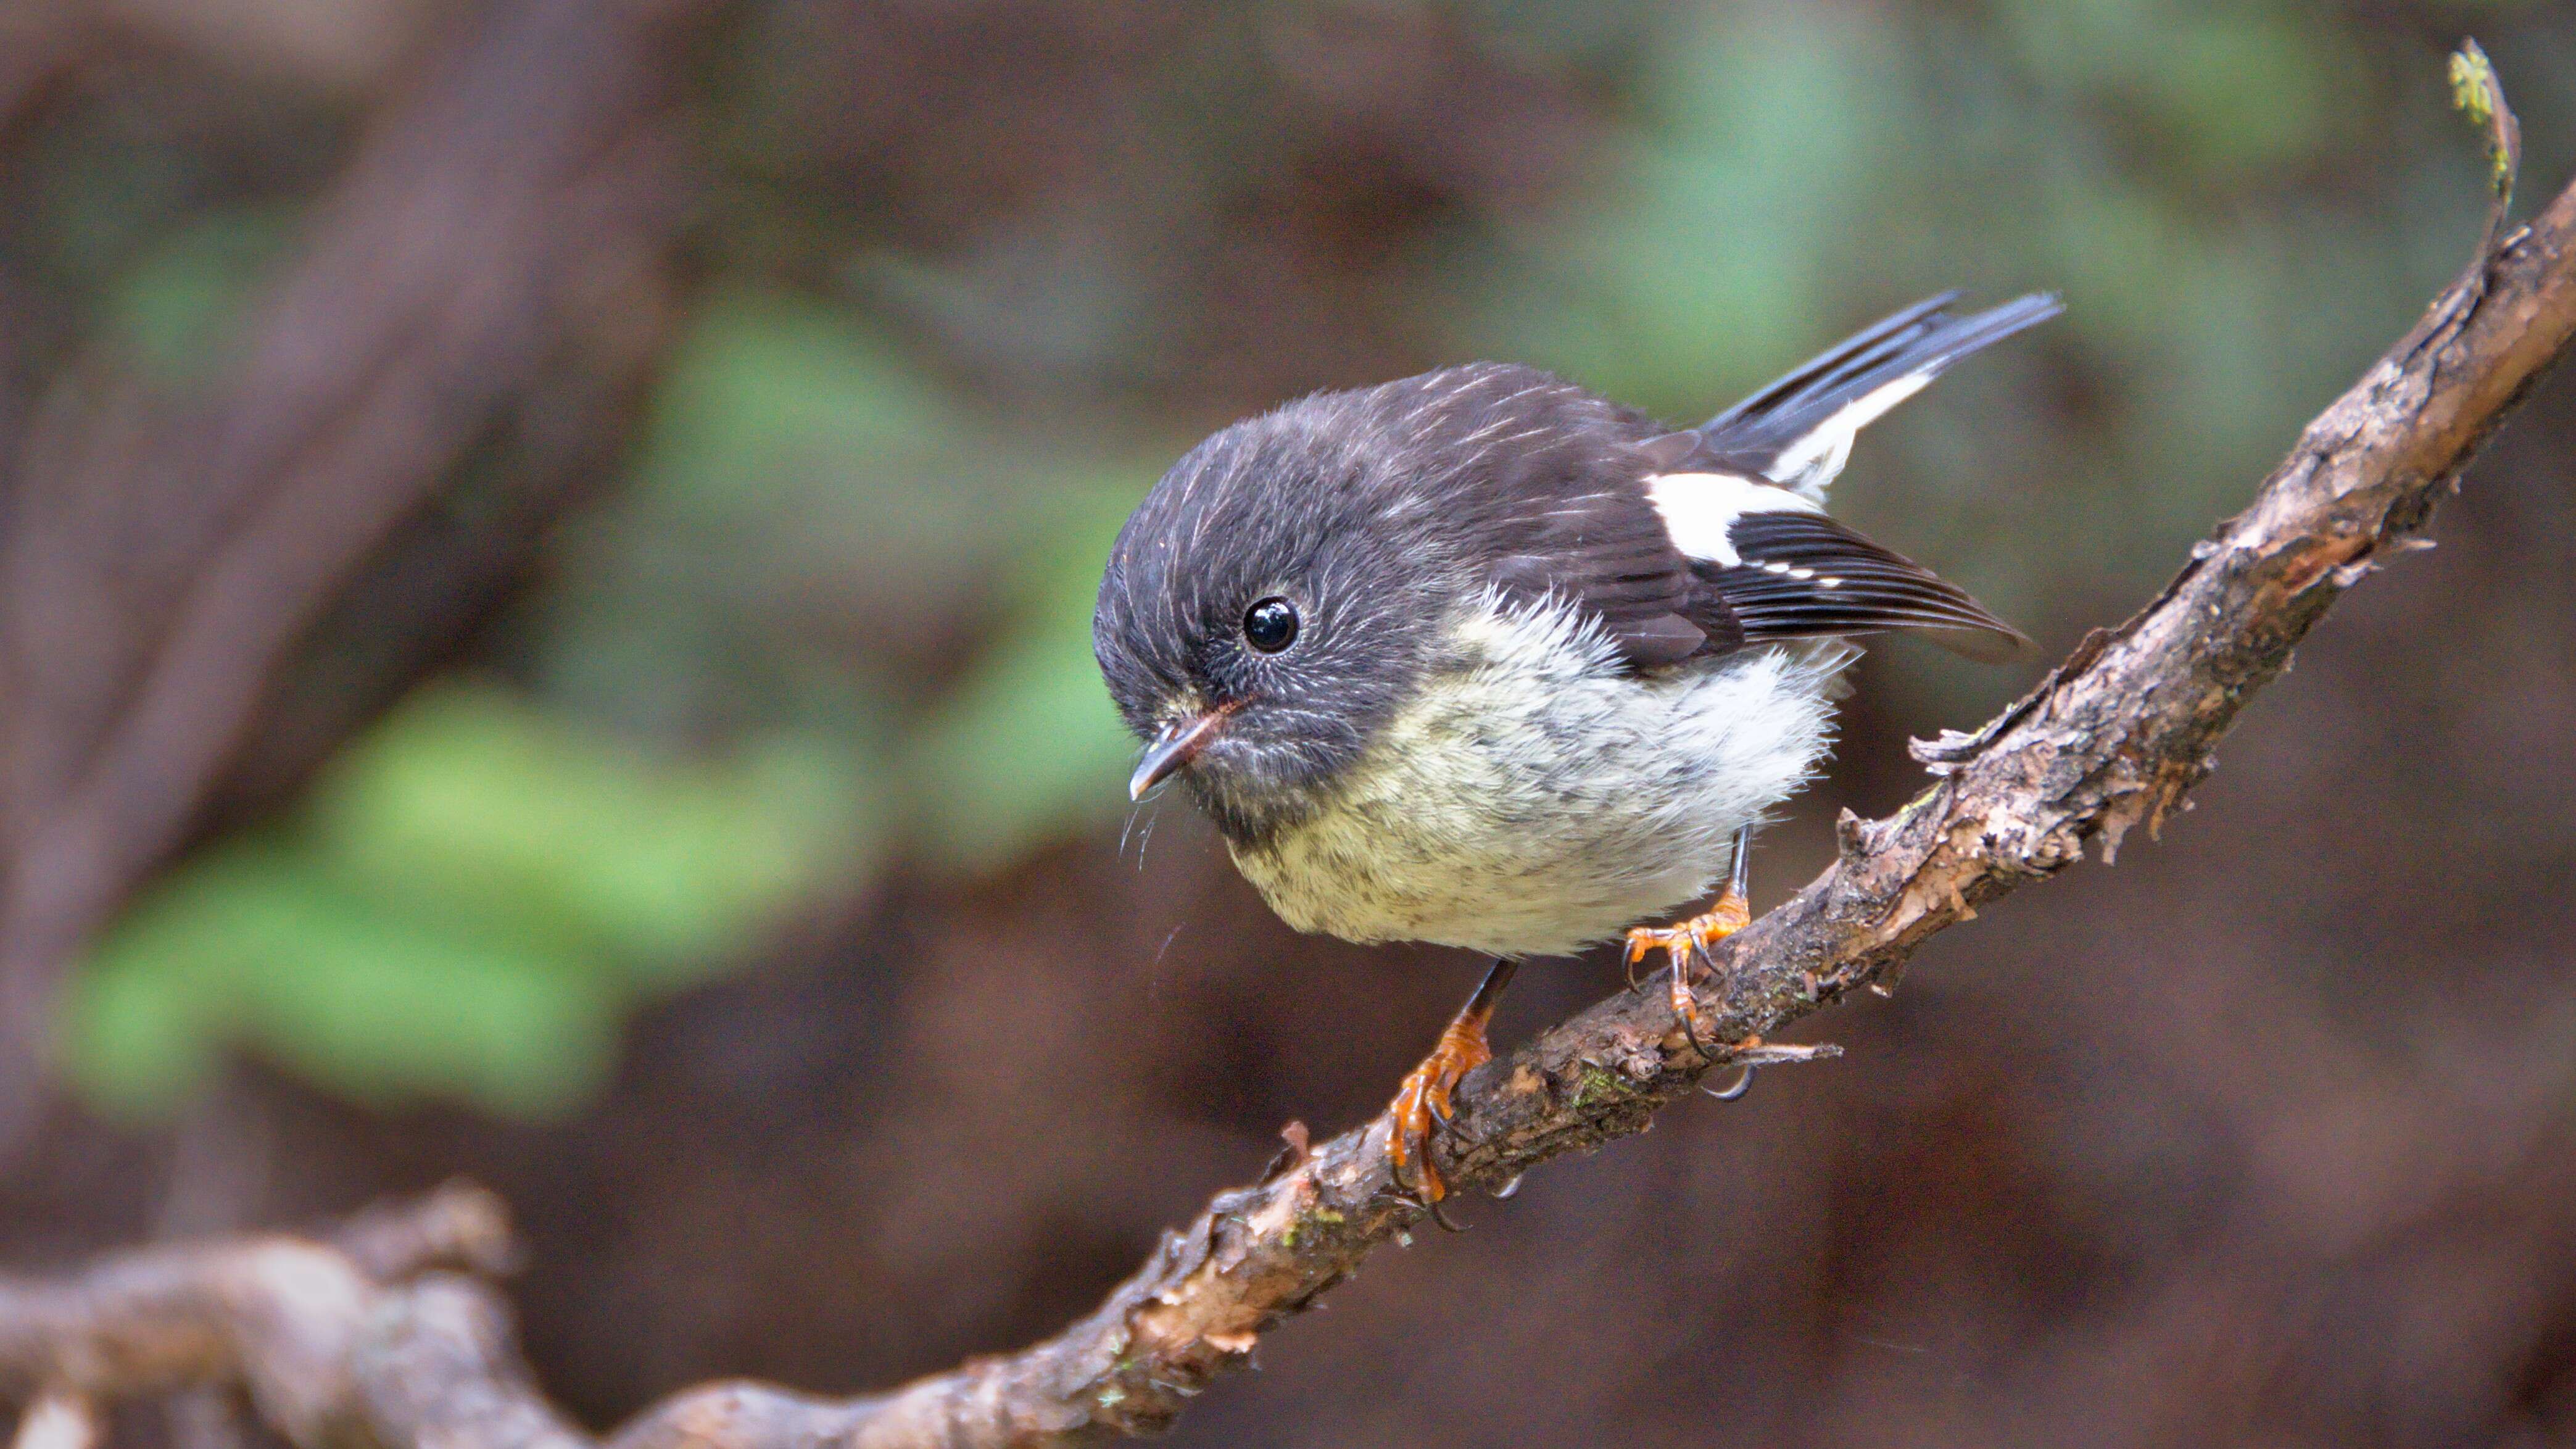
x=38 y=44
x=455 y=353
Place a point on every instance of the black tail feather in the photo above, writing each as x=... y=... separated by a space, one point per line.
x=1806 y=576
x=1919 y=341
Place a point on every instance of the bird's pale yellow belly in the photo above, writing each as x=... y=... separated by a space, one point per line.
x=1534 y=799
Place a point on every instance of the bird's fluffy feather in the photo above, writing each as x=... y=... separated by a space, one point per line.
x=1537 y=796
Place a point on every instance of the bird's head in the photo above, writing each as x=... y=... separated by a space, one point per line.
x=1265 y=611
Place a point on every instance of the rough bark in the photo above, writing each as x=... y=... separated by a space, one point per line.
x=341 y=1343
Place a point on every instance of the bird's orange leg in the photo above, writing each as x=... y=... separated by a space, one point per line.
x=1684 y=945
x=1423 y=1101
x=1687 y=943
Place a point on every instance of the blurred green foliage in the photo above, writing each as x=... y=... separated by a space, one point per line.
x=819 y=534
x=484 y=886
x=467 y=905
x=836 y=616
x=176 y=309
x=1028 y=748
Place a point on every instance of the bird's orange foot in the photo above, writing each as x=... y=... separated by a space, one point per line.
x=1685 y=945
x=1423 y=1103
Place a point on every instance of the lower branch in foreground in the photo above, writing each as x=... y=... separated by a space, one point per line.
x=284 y=1315
x=378 y=1338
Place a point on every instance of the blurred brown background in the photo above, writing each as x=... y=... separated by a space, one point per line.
x=544 y=591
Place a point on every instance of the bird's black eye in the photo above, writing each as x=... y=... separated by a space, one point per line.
x=1270 y=625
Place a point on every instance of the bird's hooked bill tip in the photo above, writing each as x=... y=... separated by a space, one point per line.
x=1177 y=745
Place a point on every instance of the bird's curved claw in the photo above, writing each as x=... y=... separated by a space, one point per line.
x=1685 y=945
x=1733 y=1091
x=1425 y=1099
x=1423 y=1104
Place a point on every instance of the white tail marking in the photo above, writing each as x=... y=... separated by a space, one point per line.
x=1813 y=461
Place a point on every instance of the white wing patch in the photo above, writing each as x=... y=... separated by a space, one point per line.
x=1812 y=462
x=1699 y=508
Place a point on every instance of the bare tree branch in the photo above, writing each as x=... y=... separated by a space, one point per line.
x=331 y=1341
x=282 y=1314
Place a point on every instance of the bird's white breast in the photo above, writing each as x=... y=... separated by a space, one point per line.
x=1534 y=798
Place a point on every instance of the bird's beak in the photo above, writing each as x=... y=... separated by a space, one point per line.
x=1177 y=745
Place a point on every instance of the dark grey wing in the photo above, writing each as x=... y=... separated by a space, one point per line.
x=1558 y=493
x=1543 y=485
x=1610 y=557
x=1798 y=430
x=1802 y=575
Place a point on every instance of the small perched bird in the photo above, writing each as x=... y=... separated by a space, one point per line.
x=1481 y=658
